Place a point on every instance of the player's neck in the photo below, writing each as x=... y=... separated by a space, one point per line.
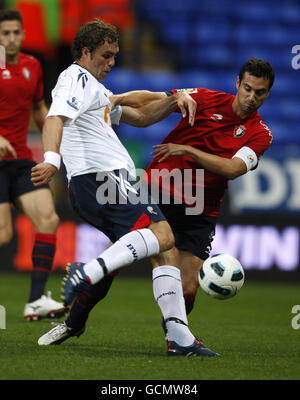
x=12 y=59
x=238 y=111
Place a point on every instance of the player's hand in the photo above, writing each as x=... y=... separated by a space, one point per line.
x=187 y=106
x=6 y=147
x=42 y=173
x=168 y=149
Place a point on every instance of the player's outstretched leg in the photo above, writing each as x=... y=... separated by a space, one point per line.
x=131 y=247
x=74 y=283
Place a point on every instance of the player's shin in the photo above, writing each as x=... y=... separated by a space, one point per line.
x=86 y=301
x=167 y=289
x=131 y=247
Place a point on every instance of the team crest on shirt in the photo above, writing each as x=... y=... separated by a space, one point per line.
x=26 y=73
x=239 y=131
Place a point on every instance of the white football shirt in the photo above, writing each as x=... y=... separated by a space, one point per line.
x=89 y=144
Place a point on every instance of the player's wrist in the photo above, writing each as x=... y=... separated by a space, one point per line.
x=53 y=158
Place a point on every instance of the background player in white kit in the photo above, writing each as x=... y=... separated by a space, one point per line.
x=78 y=126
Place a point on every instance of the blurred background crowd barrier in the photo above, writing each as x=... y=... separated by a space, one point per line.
x=183 y=44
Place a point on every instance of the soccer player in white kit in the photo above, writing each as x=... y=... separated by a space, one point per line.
x=78 y=127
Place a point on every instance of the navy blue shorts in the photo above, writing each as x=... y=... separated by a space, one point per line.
x=193 y=233
x=15 y=179
x=117 y=216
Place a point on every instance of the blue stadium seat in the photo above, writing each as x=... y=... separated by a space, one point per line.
x=288 y=109
x=269 y=111
x=213 y=8
x=213 y=55
x=159 y=81
x=280 y=58
x=212 y=31
x=215 y=80
x=257 y=11
x=176 y=31
x=122 y=80
x=290 y=13
x=197 y=78
x=154 y=133
x=284 y=132
x=268 y=34
x=286 y=84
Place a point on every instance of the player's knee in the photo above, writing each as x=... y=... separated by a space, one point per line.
x=164 y=234
x=53 y=221
x=48 y=222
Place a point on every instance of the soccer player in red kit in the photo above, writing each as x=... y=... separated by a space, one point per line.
x=226 y=141
x=21 y=91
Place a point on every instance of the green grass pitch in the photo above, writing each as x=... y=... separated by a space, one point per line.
x=124 y=341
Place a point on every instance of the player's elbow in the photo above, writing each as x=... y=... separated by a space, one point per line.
x=234 y=168
x=233 y=173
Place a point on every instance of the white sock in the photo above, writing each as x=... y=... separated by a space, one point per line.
x=131 y=247
x=167 y=289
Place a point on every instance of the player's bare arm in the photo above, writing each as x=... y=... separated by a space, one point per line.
x=157 y=110
x=39 y=113
x=52 y=134
x=230 y=168
x=136 y=98
x=6 y=147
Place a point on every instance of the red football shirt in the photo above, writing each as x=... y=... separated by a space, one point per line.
x=20 y=86
x=217 y=130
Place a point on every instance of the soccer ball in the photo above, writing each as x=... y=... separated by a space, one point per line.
x=221 y=276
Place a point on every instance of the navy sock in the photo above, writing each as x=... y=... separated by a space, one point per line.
x=189 y=303
x=87 y=300
x=42 y=259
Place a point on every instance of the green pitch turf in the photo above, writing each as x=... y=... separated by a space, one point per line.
x=124 y=340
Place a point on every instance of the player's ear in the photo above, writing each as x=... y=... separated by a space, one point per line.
x=84 y=52
x=238 y=82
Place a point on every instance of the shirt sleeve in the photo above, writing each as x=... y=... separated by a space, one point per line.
x=115 y=115
x=68 y=96
x=256 y=146
x=200 y=95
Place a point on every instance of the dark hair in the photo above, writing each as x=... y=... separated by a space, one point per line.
x=92 y=35
x=11 y=15
x=259 y=68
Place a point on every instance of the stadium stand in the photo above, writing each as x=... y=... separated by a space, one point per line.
x=211 y=42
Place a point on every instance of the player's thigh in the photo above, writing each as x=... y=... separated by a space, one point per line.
x=38 y=205
x=6 y=228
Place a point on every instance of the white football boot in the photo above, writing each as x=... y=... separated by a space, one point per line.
x=44 y=307
x=59 y=334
